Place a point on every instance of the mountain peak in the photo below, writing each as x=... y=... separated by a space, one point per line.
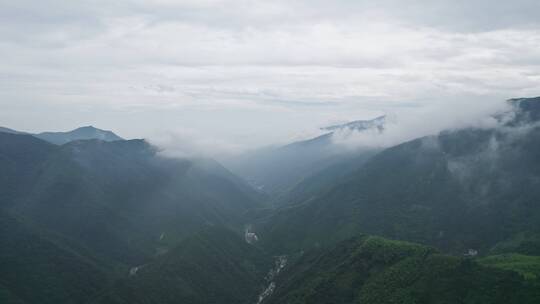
x=82 y=133
x=525 y=103
x=11 y=131
x=360 y=125
x=88 y=127
x=526 y=109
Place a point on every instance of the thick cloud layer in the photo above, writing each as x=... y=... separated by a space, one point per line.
x=257 y=72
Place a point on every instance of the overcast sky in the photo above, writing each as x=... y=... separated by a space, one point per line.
x=240 y=73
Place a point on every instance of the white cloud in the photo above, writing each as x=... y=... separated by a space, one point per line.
x=189 y=143
x=408 y=124
x=266 y=70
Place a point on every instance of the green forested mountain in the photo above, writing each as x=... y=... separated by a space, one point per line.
x=20 y=159
x=375 y=270
x=459 y=190
x=114 y=196
x=212 y=266
x=87 y=211
x=38 y=268
x=312 y=185
x=111 y=222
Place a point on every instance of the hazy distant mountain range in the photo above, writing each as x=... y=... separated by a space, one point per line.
x=359 y=125
x=60 y=138
x=468 y=188
x=8 y=130
x=87 y=217
x=277 y=170
x=89 y=132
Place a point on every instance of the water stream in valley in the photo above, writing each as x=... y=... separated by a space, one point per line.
x=279 y=263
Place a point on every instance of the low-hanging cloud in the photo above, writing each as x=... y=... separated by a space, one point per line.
x=401 y=125
x=188 y=143
x=410 y=124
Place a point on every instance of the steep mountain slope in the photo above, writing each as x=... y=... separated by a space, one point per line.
x=213 y=266
x=89 y=210
x=471 y=188
x=313 y=185
x=120 y=198
x=20 y=159
x=38 y=269
x=526 y=266
x=277 y=170
x=375 y=270
x=89 y=132
x=92 y=221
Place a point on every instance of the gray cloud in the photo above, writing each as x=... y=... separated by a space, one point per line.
x=254 y=72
